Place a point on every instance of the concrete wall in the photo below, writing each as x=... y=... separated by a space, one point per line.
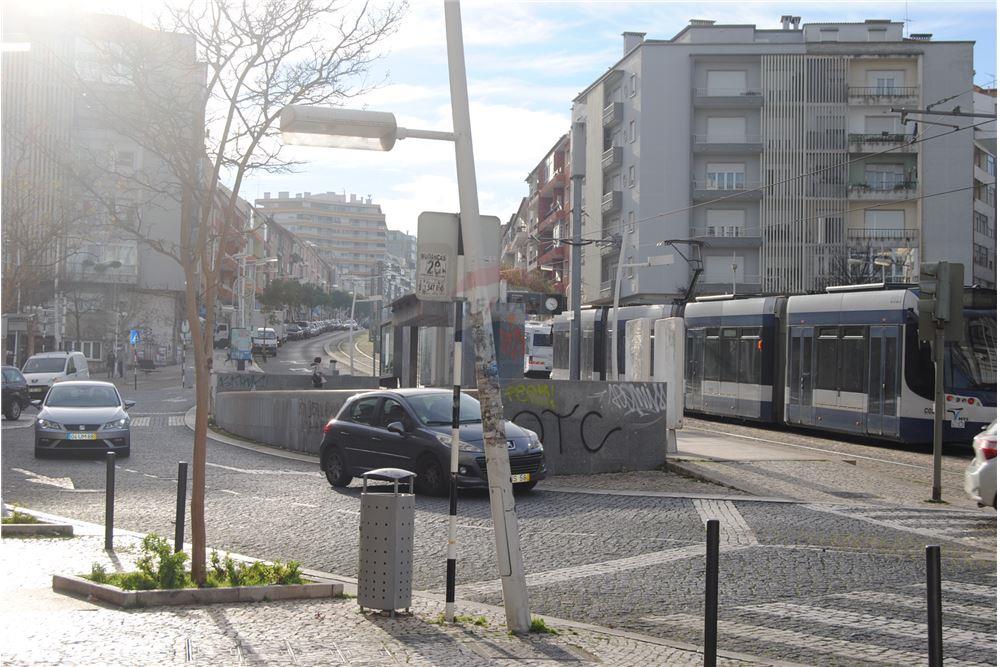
x=273 y=382
x=590 y=427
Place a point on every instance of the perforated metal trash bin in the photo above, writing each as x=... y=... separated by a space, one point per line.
x=385 y=554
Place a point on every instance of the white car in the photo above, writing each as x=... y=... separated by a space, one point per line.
x=44 y=369
x=265 y=340
x=981 y=475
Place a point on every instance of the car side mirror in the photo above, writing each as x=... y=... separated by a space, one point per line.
x=36 y=403
x=129 y=404
x=397 y=427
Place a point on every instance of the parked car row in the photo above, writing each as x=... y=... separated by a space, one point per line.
x=302 y=329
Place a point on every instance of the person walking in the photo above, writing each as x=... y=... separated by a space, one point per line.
x=317 y=373
x=111 y=365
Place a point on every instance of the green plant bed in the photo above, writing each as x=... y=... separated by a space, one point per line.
x=19 y=517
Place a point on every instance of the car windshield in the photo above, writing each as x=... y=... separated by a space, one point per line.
x=435 y=409
x=45 y=365
x=69 y=396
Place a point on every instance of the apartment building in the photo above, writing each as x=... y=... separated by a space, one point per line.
x=777 y=152
x=347 y=231
x=515 y=239
x=401 y=264
x=984 y=194
x=547 y=216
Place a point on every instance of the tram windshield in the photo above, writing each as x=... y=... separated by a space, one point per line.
x=974 y=360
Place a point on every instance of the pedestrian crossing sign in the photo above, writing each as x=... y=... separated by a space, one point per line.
x=133 y=336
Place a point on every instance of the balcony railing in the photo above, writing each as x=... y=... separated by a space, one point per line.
x=611 y=158
x=867 y=236
x=726 y=187
x=611 y=201
x=879 y=138
x=613 y=114
x=883 y=92
x=719 y=232
x=899 y=190
x=727 y=138
x=726 y=92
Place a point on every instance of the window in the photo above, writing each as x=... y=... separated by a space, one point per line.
x=876 y=34
x=726 y=130
x=829 y=34
x=882 y=220
x=725 y=176
x=885 y=81
x=712 y=354
x=852 y=359
x=392 y=411
x=981 y=224
x=750 y=353
x=725 y=222
x=826 y=359
x=632 y=85
x=631 y=131
x=980 y=255
x=631 y=176
x=726 y=82
x=631 y=221
x=884 y=176
x=363 y=410
x=729 y=356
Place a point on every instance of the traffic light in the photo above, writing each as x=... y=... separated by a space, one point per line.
x=941 y=299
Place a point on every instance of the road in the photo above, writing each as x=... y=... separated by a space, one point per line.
x=816 y=582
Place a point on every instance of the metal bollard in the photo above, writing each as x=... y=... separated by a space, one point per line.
x=711 y=592
x=182 y=474
x=935 y=643
x=109 y=504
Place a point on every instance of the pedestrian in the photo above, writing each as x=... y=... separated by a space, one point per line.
x=317 y=376
x=121 y=367
x=111 y=364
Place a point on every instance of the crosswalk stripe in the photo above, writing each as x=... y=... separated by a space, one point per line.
x=882 y=624
x=925 y=531
x=968 y=589
x=913 y=602
x=176 y=420
x=140 y=421
x=733 y=528
x=852 y=650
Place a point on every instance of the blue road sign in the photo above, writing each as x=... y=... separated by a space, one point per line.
x=133 y=336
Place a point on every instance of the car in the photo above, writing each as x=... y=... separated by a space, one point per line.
x=221 y=338
x=294 y=331
x=411 y=429
x=981 y=474
x=306 y=330
x=83 y=416
x=44 y=369
x=15 y=393
x=265 y=340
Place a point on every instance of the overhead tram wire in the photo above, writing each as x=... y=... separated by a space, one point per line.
x=742 y=193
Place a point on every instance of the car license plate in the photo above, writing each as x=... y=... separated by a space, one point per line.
x=517 y=479
x=83 y=436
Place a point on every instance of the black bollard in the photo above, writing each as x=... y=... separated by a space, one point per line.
x=711 y=592
x=182 y=474
x=935 y=643
x=109 y=504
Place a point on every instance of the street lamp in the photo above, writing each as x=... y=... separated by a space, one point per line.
x=378 y=131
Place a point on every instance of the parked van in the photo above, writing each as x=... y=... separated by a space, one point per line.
x=264 y=340
x=221 y=335
x=537 y=349
x=44 y=369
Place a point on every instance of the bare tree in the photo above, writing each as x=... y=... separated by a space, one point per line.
x=205 y=102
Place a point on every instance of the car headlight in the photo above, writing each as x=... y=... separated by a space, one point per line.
x=51 y=426
x=116 y=424
x=534 y=444
x=462 y=446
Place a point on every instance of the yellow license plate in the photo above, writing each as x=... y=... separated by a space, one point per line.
x=517 y=479
x=83 y=436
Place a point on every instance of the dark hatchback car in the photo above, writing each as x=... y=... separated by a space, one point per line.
x=15 y=393
x=411 y=429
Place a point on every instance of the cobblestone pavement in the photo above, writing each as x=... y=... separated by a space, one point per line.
x=799 y=581
x=42 y=627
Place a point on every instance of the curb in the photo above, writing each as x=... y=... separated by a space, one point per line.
x=692 y=471
x=245 y=444
x=669 y=494
x=36 y=529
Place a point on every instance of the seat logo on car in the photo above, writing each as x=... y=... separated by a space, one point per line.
x=83 y=427
x=510 y=444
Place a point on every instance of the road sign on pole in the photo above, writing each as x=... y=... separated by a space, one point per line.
x=437 y=256
x=133 y=337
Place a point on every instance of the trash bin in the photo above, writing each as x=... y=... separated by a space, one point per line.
x=385 y=558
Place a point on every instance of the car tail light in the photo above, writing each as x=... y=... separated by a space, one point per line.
x=328 y=426
x=988 y=446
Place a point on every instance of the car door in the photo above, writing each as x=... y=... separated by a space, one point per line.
x=70 y=369
x=398 y=451
x=358 y=436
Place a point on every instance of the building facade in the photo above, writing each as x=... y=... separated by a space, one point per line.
x=400 y=269
x=515 y=238
x=984 y=194
x=777 y=153
x=547 y=219
x=347 y=231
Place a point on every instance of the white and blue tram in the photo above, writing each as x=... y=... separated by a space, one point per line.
x=846 y=362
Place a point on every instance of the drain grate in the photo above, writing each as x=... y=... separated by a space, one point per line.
x=852 y=494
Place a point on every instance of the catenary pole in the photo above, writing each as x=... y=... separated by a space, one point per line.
x=614 y=309
x=578 y=161
x=449 y=604
x=938 y=406
x=479 y=278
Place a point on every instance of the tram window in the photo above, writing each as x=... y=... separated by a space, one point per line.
x=852 y=359
x=826 y=359
x=918 y=365
x=560 y=349
x=729 y=356
x=712 y=354
x=750 y=356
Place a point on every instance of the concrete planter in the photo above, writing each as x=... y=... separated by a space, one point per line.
x=188 y=596
x=36 y=530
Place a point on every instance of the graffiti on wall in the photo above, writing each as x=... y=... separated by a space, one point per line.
x=636 y=399
x=585 y=424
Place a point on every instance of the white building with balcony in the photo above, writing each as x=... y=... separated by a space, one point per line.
x=776 y=149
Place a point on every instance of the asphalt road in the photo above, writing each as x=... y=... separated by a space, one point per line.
x=816 y=583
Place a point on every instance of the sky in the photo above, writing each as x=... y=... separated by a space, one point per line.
x=526 y=61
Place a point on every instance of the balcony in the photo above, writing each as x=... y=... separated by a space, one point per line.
x=895 y=238
x=747 y=191
x=722 y=143
x=613 y=114
x=714 y=237
x=882 y=191
x=883 y=95
x=727 y=98
x=611 y=158
x=611 y=202
x=876 y=143
x=554 y=256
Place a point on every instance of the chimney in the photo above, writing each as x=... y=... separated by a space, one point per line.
x=701 y=23
x=632 y=40
x=795 y=22
x=267 y=195
x=282 y=195
x=922 y=36
x=786 y=22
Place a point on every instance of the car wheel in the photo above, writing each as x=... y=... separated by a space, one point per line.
x=41 y=453
x=335 y=468
x=524 y=487
x=124 y=453
x=431 y=479
x=12 y=410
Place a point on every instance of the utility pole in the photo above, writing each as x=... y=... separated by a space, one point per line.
x=578 y=157
x=614 y=310
x=478 y=278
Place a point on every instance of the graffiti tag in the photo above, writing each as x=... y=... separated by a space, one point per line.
x=641 y=400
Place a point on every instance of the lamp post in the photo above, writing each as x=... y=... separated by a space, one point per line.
x=378 y=131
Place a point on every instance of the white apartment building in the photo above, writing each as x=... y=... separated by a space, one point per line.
x=984 y=195
x=348 y=231
x=779 y=152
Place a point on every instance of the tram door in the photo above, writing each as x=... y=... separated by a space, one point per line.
x=800 y=375
x=695 y=369
x=883 y=381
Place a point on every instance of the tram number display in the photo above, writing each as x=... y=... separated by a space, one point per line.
x=434 y=275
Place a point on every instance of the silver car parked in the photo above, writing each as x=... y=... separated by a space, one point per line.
x=83 y=416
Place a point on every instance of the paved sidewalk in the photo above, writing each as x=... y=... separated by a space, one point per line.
x=43 y=627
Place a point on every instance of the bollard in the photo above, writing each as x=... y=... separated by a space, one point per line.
x=109 y=504
x=182 y=474
x=711 y=592
x=935 y=643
